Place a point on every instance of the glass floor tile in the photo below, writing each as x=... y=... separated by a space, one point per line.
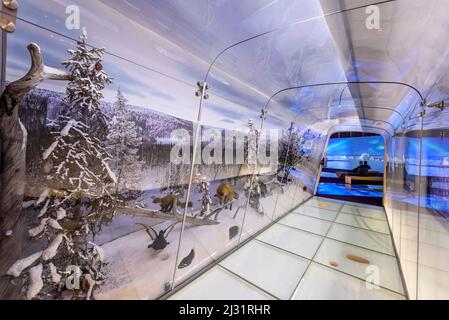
x=306 y=223
x=363 y=222
x=315 y=212
x=323 y=283
x=374 y=213
x=364 y=238
x=315 y=252
x=361 y=263
x=324 y=203
x=230 y=287
x=296 y=241
x=275 y=271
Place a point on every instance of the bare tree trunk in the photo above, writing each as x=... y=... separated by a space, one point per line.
x=12 y=176
x=13 y=137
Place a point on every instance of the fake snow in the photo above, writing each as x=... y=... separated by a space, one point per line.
x=20 y=265
x=55 y=276
x=43 y=196
x=38 y=230
x=50 y=150
x=110 y=172
x=24 y=135
x=52 y=249
x=66 y=130
x=36 y=282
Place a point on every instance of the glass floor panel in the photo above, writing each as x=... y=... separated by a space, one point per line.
x=314 y=212
x=340 y=250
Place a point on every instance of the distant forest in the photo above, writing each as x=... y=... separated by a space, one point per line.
x=41 y=106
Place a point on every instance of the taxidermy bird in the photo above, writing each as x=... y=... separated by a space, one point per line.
x=159 y=239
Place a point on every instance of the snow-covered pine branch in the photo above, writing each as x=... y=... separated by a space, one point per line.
x=78 y=199
x=88 y=81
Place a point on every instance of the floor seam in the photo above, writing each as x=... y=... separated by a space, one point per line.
x=324 y=265
x=311 y=261
x=338 y=240
x=240 y=278
x=345 y=224
x=295 y=291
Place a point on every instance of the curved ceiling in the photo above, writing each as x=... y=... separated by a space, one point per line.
x=303 y=42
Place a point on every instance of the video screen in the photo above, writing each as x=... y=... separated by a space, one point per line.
x=346 y=153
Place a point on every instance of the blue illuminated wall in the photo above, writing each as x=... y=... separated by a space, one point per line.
x=345 y=153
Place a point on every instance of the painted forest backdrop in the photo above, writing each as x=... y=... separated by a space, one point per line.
x=86 y=158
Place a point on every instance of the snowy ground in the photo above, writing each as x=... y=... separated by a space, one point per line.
x=137 y=272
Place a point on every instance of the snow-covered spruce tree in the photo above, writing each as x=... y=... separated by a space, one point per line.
x=79 y=196
x=123 y=143
x=289 y=155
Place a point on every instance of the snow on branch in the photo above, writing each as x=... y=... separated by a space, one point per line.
x=16 y=269
x=37 y=73
x=36 y=282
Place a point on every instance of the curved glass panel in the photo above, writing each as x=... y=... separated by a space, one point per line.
x=142 y=164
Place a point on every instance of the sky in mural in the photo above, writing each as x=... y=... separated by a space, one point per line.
x=157 y=65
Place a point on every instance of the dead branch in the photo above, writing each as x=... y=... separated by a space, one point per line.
x=215 y=212
x=166 y=216
x=38 y=72
x=12 y=164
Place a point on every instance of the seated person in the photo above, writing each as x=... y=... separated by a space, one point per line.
x=363 y=169
x=356 y=170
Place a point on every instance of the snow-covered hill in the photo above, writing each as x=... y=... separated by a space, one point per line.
x=43 y=103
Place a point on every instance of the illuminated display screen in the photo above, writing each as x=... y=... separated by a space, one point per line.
x=345 y=153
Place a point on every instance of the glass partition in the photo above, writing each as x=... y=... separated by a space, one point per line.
x=417 y=187
x=141 y=109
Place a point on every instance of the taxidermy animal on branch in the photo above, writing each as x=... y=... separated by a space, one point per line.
x=226 y=194
x=159 y=239
x=170 y=203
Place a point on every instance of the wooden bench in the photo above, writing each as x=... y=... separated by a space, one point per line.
x=348 y=179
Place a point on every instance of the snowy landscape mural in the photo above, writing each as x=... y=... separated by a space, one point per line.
x=99 y=210
x=103 y=206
